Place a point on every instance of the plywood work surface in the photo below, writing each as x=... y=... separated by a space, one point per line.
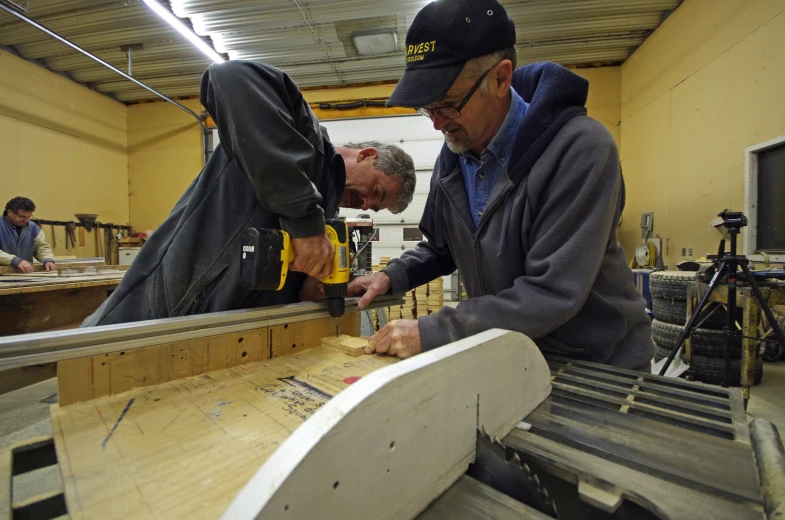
x=184 y=449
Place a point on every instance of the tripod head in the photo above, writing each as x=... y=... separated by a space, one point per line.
x=730 y=224
x=733 y=221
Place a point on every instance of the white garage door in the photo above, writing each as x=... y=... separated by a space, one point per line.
x=415 y=134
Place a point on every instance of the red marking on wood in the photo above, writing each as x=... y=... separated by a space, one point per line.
x=352 y=379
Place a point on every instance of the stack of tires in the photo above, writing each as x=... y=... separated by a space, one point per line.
x=669 y=306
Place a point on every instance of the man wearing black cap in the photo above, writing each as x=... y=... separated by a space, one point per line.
x=525 y=199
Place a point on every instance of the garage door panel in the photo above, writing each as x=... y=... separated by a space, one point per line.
x=386 y=129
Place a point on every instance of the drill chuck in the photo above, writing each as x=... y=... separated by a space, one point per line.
x=336 y=303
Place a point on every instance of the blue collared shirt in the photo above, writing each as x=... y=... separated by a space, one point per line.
x=480 y=175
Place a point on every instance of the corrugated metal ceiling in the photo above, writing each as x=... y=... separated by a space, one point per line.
x=311 y=40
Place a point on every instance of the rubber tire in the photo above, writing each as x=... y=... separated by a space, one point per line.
x=670 y=284
x=712 y=370
x=661 y=353
x=675 y=311
x=705 y=342
x=773 y=351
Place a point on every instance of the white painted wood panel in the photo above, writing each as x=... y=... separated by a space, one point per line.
x=389 y=444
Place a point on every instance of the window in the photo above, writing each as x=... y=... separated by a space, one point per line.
x=412 y=234
x=764 y=196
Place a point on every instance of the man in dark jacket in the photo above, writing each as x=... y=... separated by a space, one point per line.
x=21 y=239
x=525 y=199
x=274 y=168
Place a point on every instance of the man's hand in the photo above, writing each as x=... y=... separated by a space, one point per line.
x=312 y=290
x=25 y=266
x=398 y=338
x=368 y=287
x=313 y=255
x=50 y=266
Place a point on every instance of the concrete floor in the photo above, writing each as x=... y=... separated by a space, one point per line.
x=23 y=416
x=767 y=400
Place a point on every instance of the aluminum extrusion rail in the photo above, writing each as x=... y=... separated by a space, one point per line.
x=48 y=347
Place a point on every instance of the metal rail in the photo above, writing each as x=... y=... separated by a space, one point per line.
x=49 y=347
x=74 y=46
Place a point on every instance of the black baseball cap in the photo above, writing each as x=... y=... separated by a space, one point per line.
x=445 y=35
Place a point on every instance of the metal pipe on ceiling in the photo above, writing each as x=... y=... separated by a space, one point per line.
x=69 y=43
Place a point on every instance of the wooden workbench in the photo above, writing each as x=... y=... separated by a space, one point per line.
x=185 y=448
x=41 y=303
x=772 y=292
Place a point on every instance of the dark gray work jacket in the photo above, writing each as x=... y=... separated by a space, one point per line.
x=545 y=259
x=274 y=168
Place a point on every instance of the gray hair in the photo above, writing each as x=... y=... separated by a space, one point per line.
x=476 y=67
x=394 y=162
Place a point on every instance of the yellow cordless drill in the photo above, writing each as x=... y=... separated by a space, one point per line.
x=267 y=254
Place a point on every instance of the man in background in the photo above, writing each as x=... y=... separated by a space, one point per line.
x=21 y=240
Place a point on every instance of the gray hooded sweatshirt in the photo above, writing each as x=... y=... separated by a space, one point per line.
x=544 y=259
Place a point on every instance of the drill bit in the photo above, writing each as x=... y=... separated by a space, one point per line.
x=337 y=321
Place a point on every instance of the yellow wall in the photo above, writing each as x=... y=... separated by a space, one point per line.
x=165 y=153
x=63 y=146
x=704 y=86
x=604 y=102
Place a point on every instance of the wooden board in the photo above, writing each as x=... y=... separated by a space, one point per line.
x=45 y=311
x=61 y=261
x=91 y=377
x=57 y=283
x=397 y=439
x=184 y=449
x=351 y=345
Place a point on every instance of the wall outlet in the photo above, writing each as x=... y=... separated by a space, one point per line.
x=689 y=252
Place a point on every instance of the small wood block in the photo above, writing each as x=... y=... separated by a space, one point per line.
x=346 y=344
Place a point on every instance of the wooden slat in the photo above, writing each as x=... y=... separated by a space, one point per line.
x=620 y=374
x=654 y=386
x=673 y=499
x=653 y=410
x=676 y=454
x=88 y=378
x=109 y=281
x=184 y=448
x=70 y=263
x=724 y=416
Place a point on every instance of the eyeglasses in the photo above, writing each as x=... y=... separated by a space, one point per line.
x=453 y=112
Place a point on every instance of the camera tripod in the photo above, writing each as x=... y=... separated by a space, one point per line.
x=729 y=264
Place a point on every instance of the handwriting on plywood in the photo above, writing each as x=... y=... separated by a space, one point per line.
x=298 y=398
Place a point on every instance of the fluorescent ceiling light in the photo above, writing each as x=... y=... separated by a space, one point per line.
x=185 y=31
x=383 y=42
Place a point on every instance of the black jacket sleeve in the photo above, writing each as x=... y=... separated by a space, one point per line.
x=266 y=126
x=429 y=259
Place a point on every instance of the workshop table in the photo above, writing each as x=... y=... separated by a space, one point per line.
x=31 y=304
